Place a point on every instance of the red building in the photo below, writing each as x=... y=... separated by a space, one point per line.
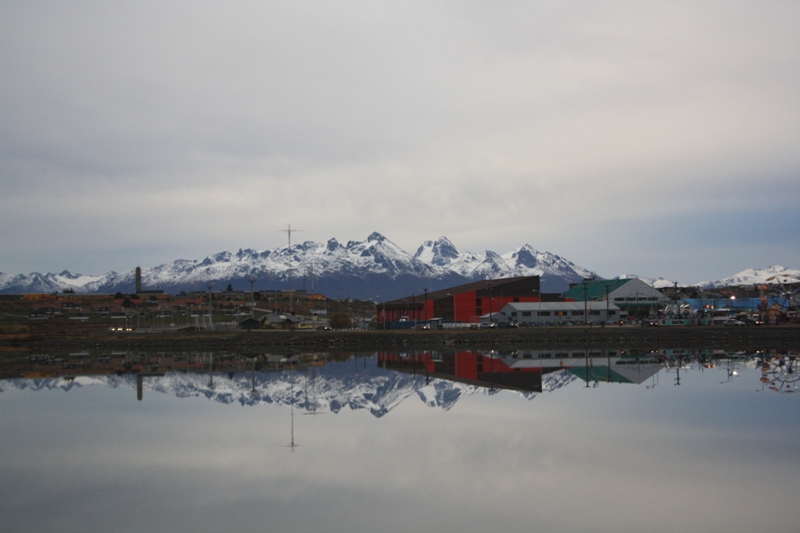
x=463 y=303
x=524 y=370
x=470 y=367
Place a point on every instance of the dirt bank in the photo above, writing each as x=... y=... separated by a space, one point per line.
x=736 y=338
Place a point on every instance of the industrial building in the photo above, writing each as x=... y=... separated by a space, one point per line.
x=557 y=313
x=606 y=301
x=463 y=303
x=525 y=370
x=633 y=296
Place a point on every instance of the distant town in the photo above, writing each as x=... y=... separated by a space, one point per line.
x=515 y=302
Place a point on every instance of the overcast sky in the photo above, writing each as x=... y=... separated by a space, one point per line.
x=655 y=138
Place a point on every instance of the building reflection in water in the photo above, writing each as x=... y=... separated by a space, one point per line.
x=294 y=379
x=523 y=370
x=633 y=454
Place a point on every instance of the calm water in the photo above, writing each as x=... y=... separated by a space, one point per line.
x=405 y=442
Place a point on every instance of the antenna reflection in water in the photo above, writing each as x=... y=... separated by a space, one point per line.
x=292 y=444
x=411 y=428
x=253 y=392
x=521 y=370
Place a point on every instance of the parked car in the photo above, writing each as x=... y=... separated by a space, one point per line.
x=733 y=322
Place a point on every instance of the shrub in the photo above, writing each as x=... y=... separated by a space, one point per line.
x=340 y=321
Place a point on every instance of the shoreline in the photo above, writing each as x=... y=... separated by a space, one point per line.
x=716 y=337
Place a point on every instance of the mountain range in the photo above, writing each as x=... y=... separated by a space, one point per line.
x=375 y=268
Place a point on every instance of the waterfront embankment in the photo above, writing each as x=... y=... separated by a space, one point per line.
x=259 y=341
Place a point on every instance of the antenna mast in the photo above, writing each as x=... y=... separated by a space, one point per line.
x=289 y=231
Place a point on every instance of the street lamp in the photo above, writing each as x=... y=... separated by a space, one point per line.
x=252 y=279
x=210 y=306
x=383 y=315
x=585 y=303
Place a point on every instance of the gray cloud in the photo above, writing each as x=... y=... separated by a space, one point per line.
x=415 y=119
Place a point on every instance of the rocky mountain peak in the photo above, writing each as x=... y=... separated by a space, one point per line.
x=440 y=252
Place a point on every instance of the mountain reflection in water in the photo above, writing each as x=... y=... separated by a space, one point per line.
x=379 y=382
x=668 y=440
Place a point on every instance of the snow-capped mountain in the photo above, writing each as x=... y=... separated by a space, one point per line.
x=331 y=388
x=358 y=269
x=524 y=261
x=656 y=283
x=366 y=269
x=37 y=283
x=752 y=276
x=755 y=276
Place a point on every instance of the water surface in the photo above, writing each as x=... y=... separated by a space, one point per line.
x=382 y=442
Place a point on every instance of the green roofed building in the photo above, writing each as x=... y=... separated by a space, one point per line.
x=633 y=296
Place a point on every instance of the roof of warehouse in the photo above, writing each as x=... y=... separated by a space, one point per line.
x=558 y=306
x=595 y=289
x=467 y=287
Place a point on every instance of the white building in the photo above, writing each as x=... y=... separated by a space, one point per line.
x=632 y=295
x=558 y=313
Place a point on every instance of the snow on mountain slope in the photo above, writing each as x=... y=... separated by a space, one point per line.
x=359 y=269
x=524 y=261
x=440 y=252
x=755 y=276
x=468 y=264
x=376 y=258
x=751 y=276
x=657 y=283
x=44 y=283
x=527 y=261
